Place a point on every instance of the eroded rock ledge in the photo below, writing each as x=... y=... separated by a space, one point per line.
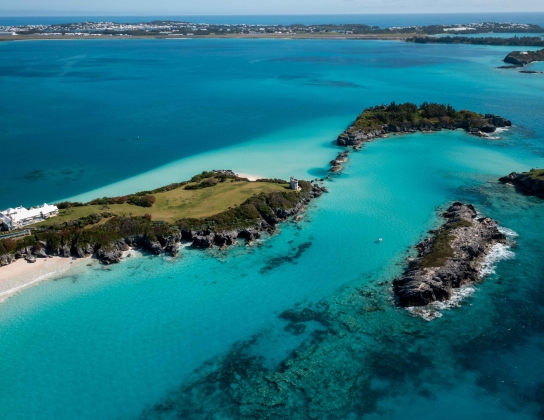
x=378 y=121
x=450 y=258
x=530 y=183
x=266 y=213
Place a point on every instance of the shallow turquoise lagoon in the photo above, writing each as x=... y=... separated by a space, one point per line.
x=153 y=332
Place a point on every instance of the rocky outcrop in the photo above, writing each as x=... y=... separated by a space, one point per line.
x=338 y=164
x=522 y=58
x=449 y=259
x=6 y=259
x=208 y=238
x=530 y=183
x=354 y=136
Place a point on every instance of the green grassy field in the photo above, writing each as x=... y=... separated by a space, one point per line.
x=178 y=203
x=537 y=174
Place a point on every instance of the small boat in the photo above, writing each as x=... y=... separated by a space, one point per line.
x=380 y=239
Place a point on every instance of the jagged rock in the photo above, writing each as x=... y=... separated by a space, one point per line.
x=113 y=253
x=226 y=238
x=527 y=182
x=30 y=258
x=436 y=270
x=135 y=241
x=153 y=246
x=203 y=241
x=6 y=259
x=39 y=253
x=83 y=251
x=249 y=234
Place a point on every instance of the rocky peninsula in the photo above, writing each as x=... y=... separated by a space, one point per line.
x=530 y=183
x=379 y=121
x=450 y=258
x=107 y=236
x=522 y=58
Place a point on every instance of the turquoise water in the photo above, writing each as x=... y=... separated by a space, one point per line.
x=104 y=343
x=537 y=66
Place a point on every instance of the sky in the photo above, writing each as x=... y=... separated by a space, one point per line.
x=259 y=7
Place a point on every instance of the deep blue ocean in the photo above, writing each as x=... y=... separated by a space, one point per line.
x=199 y=336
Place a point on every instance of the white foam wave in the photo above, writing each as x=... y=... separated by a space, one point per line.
x=497 y=253
x=508 y=232
x=7 y=293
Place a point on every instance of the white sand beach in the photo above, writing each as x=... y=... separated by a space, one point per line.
x=20 y=274
x=251 y=177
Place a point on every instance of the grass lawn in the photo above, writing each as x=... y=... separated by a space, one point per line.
x=179 y=203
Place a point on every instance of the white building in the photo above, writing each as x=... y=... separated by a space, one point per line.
x=20 y=217
x=293 y=184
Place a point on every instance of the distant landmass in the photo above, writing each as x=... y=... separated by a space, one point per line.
x=169 y=28
x=529 y=41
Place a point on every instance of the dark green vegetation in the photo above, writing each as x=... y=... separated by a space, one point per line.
x=527 y=41
x=408 y=113
x=441 y=248
x=530 y=183
x=522 y=58
x=98 y=230
x=74 y=235
x=537 y=174
x=249 y=213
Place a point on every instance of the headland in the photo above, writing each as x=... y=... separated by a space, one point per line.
x=522 y=58
x=405 y=118
x=452 y=257
x=529 y=183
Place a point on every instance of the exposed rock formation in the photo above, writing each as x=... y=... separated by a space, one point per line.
x=354 y=136
x=449 y=259
x=522 y=58
x=209 y=238
x=530 y=183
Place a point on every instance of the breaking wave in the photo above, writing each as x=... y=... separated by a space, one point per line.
x=498 y=252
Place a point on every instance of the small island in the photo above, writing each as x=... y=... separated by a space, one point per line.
x=529 y=183
x=452 y=257
x=522 y=58
x=407 y=117
x=215 y=208
x=524 y=41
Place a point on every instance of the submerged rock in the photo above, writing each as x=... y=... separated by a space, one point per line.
x=449 y=259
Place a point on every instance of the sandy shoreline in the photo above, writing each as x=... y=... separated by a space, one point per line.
x=251 y=177
x=21 y=275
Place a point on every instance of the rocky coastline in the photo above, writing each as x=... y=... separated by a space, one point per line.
x=355 y=136
x=529 y=183
x=450 y=258
x=168 y=244
x=523 y=58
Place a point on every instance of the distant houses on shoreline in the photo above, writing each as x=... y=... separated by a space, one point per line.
x=19 y=217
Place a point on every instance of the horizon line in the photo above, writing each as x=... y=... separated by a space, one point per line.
x=91 y=14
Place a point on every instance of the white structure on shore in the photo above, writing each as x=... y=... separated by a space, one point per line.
x=293 y=184
x=20 y=217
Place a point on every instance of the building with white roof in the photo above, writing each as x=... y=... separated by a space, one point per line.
x=19 y=217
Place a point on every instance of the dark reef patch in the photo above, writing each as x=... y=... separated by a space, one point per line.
x=286 y=259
